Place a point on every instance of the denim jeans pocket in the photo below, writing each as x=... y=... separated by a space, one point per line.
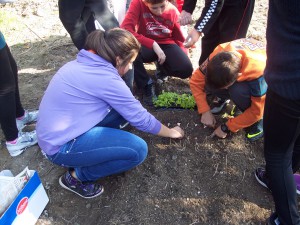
x=65 y=149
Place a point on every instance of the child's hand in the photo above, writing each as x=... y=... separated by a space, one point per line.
x=160 y=53
x=219 y=133
x=208 y=119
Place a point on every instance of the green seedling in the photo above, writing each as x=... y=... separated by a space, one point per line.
x=174 y=100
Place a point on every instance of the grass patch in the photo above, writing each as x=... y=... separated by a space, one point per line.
x=8 y=21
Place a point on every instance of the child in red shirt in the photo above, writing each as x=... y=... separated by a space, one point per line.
x=154 y=24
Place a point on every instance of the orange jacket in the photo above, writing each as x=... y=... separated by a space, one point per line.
x=253 y=55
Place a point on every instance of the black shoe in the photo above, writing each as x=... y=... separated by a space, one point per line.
x=260 y=175
x=160 y=77
x=218 y=105
x=160 y=74
x=273 y=220
x=149 y=95
x=255 y=131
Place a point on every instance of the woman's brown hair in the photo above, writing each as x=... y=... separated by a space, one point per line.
x=112 y=43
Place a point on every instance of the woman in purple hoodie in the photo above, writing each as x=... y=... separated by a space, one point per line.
x=84 y=109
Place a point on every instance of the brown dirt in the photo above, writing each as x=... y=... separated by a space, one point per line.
x=196 y=180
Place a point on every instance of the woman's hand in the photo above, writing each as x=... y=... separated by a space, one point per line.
x=177 y=132
x=160 y=53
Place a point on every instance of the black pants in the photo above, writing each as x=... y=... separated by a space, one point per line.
x=282 y=153
x=9 y=95
x=232 y=23
x=177 y=63
x=78 y=17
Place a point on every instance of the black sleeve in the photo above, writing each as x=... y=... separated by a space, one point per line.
x=209 y=15
x=189 y=5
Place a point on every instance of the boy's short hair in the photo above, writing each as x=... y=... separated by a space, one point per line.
x=222 y=70
x=152 y=2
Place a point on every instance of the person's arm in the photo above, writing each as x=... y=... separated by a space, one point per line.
x=258 y=89
x=209 y=15
x=177 y=35
x=249 y=116
x=132 y=20
x=189 y=6
x=197 y=84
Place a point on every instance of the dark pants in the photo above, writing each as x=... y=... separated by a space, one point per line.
x=282 y=153
x=78 y=17
x=232 y=23
x=177 y=63
x=239 y=93
x=9 y=95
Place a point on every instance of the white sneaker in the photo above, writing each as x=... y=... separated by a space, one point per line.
x=29 y=117
x=25 y=139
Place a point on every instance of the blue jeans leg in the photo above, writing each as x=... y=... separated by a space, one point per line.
x=113 y=120
x=101 y=152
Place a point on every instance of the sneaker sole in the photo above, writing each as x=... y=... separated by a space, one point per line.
x=259 y=181
x=69 y=189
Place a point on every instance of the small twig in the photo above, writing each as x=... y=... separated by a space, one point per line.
x=216 y=169
x=226 y=163
x=33 y=31
x=244 y=173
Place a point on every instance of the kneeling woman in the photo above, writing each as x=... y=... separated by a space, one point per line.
x=84 y=109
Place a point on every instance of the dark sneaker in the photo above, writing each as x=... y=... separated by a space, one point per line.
x=149 y=94
x=160 y=74
x=255 y=131
x=160 y=77
x=273 y=220
x=83 y=189
x=260 y=175
x=218 y=104
x=297 y=181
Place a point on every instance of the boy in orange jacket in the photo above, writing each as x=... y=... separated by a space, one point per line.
x=237 y=68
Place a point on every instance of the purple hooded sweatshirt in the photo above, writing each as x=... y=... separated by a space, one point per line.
x=80 y=95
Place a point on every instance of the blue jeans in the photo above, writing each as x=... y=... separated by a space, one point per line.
x=102 y=151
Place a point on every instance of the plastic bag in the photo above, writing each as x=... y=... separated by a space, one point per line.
x=11 y=186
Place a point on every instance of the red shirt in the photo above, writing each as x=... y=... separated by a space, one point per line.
x=147 y=27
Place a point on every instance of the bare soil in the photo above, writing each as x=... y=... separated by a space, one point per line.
x=196 y=180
